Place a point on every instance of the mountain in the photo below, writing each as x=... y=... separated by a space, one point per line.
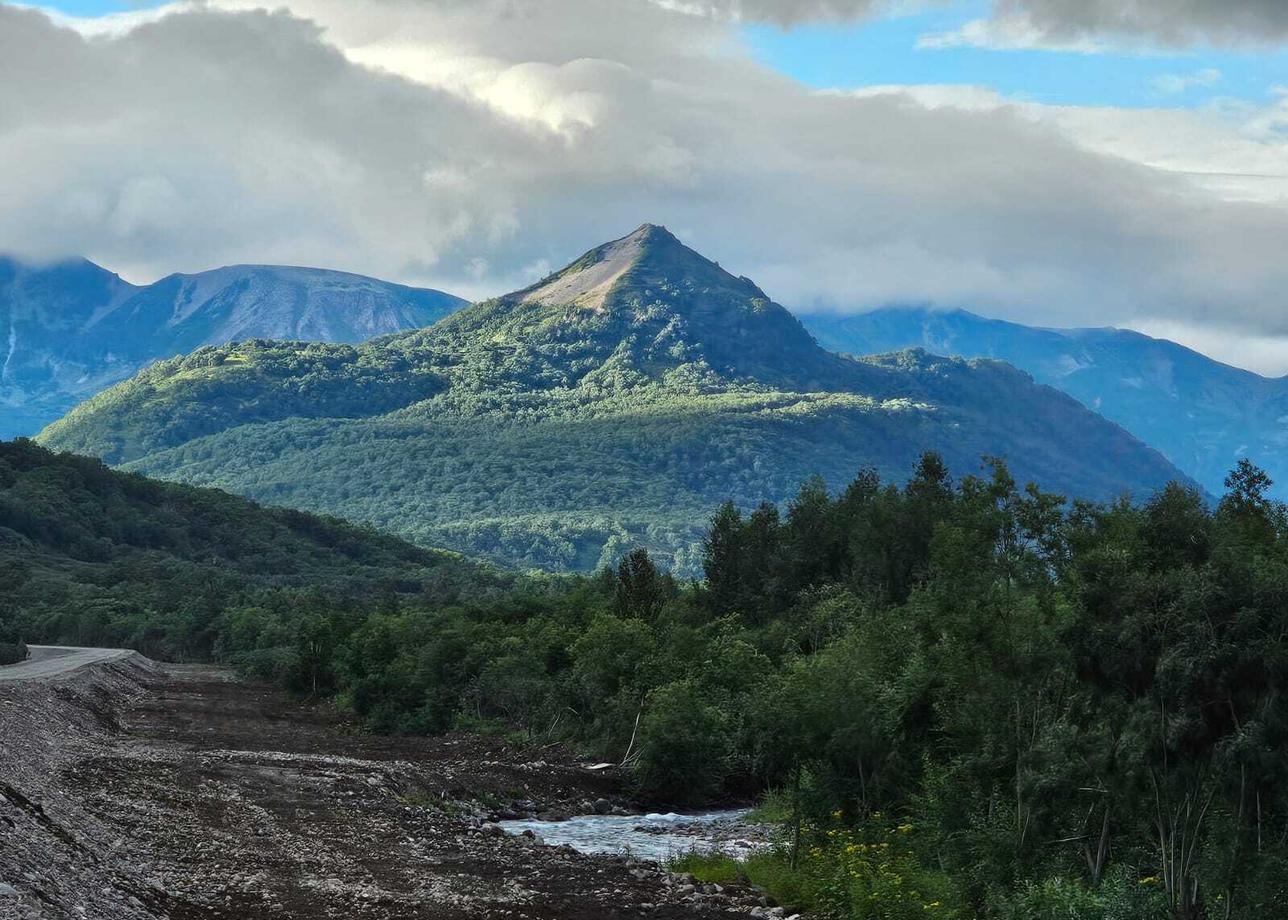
x=1201 y=414
x=614 y=403
x=72 y=328
x=92 y=555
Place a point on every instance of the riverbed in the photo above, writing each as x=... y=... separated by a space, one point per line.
x=657 y=837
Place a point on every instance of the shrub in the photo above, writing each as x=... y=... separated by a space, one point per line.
x=684 y=745
x=1121 y=896
x=872 y=873
x=869 y=873
x=13 y=652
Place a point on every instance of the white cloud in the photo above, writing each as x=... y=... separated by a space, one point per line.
x=785 y=12
x=1266 y=355
x=1016 y=32
x=1174 y=83
x=471 y=143
x=1234 y=150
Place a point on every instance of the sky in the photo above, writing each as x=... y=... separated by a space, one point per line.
x=1054 y=162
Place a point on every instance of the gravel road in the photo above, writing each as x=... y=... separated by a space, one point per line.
x=54 y=661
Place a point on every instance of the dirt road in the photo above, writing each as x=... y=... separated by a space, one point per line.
x=136 y=791
x=48 y=661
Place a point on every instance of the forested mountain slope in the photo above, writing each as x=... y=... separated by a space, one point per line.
x=1201 y=414
x=89 y=555
x=613 y=404
x=72 y=328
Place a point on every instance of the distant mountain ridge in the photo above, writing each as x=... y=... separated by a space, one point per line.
x=1201 y=414
x=615 y=403
x=71 y=329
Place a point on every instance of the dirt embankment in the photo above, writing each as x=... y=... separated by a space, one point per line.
x=131 y=791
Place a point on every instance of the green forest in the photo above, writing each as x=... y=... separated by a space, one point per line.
x=92 y=556
x=557 y=434
x=962 y=698
x=966 y=700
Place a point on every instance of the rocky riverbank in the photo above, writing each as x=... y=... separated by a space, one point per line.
x=131 y=791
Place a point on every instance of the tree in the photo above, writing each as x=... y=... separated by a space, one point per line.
x=722 y=559
x=641 y=590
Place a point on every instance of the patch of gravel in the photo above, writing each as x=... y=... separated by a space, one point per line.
x=56 y=858
x=130 y=790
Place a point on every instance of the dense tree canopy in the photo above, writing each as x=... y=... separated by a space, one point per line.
x=969 y=699
x=91 y=556
x=1057 y=710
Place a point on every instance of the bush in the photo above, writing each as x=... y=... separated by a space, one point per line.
x=870 y=873
x=1121 y=896
x=684 y=746
x=770 y=871
x=13 y=652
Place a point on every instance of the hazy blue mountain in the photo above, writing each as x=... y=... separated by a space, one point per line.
x=1201 y=414
x=72 y=328
x=615 y=403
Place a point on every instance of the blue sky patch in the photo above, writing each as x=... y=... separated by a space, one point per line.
x=885 y=51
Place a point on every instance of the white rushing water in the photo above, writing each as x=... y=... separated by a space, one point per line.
x=656 y=837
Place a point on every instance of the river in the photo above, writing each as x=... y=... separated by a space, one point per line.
x=653 y=836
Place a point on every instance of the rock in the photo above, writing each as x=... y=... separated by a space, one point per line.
x=492 y=829
x=8 y=891
x=603 y=806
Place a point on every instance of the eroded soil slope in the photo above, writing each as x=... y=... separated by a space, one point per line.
x=134 y=790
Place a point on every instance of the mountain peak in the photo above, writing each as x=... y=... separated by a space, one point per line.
x=649 y=303
x=589 y=281
x=651 y=231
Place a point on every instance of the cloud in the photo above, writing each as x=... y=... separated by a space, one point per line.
x=1014 y=32
x=1077 y=25
x=1094 y=25
x=1169 y=22
x=1175 y=83
x=474 y=144
x=1235 y=151
x=1266 y=355
x=784 y=12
